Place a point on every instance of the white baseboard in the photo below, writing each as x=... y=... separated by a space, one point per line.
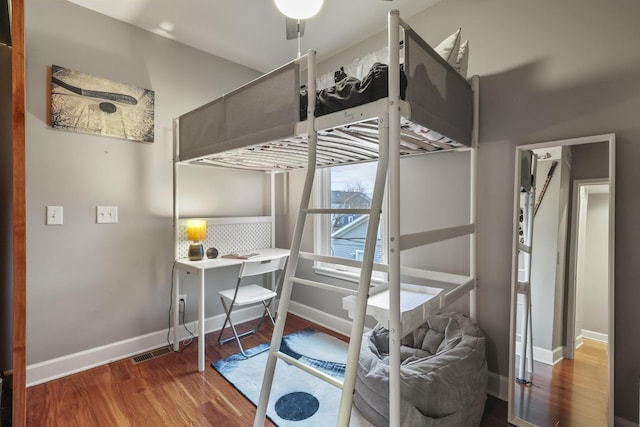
x=548 y=357
x=498 y=386
x=543 y=355
x=48 y=370
x=596 y=336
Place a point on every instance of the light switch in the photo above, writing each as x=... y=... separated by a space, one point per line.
x=54 y=215
x=106 y=214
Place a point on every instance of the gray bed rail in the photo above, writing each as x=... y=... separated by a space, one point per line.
x=264 y=109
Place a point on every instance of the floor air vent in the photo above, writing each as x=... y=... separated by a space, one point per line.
x=153 y=354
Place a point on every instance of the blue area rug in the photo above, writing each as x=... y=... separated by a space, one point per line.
x=297 y=398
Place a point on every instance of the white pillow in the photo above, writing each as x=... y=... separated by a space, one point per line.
x=449 y=47
x=462 y=59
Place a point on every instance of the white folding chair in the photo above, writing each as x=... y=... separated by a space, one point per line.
x=248 y=294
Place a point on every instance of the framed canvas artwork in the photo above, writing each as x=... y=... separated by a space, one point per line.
x=93 y=105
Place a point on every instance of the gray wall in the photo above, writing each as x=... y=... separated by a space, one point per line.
x=594 y=286
x=90 y=285
x=544 y=260
x=589 y=161
x=549 y=70
x=6 y=214
x=563 y=246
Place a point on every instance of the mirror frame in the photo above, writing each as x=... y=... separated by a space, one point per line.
x=610 y=138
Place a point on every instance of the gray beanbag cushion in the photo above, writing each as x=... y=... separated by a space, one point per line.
x=443 y=374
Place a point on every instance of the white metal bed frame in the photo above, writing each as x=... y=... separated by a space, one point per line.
x=388 y=117
x=388 y=113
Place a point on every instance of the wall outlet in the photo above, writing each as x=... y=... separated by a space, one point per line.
x=182 y=302
x=106 y=214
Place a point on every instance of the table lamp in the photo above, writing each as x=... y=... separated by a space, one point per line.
x=196 y=232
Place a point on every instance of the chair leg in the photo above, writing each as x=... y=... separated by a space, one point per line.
x=233 y=329
x=264 y=314
x=260 y=322
x=226 y=319
x=236 y=335
x=267 y=311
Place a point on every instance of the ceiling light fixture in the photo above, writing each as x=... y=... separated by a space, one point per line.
x=299 y=9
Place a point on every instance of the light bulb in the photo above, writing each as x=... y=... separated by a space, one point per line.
x=299 y=9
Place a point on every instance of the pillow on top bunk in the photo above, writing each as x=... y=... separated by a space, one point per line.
x=462 y=59
x=449 y=48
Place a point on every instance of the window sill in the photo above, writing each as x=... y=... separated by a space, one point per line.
x=347 y=275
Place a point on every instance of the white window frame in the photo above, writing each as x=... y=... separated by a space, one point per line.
x=322 y=234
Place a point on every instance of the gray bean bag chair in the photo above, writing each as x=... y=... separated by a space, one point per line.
x=443 y=374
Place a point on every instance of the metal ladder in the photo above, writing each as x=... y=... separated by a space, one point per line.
x=357 y=329
x=385 y=121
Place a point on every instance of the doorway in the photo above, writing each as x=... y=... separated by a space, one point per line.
x=588 y=296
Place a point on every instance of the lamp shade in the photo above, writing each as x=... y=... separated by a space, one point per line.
x=299 y=9
x=196 y=229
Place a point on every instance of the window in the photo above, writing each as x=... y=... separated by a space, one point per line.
x=344 y=235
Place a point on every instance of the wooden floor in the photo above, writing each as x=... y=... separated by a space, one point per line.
x=572 y=393
x=165 y=391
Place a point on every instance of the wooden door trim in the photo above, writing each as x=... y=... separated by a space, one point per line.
x=18 y=83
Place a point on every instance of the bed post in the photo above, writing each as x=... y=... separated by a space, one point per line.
x=176 y=290
x=272 y=175
x=394 y=218
x=473 y=189
x=292 y=264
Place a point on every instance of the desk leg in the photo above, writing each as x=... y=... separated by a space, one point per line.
x=201 y=323
x=176 y=311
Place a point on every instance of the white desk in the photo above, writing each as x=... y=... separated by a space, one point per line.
x=198 y=268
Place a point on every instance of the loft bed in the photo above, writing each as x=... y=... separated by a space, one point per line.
x=259 y=126
x=262 y=126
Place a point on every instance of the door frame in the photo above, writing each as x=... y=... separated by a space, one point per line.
x=570 y=326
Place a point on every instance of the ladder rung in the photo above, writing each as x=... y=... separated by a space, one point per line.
x=341 y=261
x=522 y=287
x=338 y=211
x=325 y=286
x=457 y=292
x=316 y=373
x=409 y=241
x=524 y=248
x=438 y=276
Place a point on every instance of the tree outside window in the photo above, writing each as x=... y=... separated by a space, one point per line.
x=351 y=187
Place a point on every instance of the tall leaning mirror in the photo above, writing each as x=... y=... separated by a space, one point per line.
x=562 y=295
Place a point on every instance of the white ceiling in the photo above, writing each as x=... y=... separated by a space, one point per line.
x=252 y=32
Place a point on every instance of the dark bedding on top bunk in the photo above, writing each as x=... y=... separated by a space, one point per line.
x=350 y=91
